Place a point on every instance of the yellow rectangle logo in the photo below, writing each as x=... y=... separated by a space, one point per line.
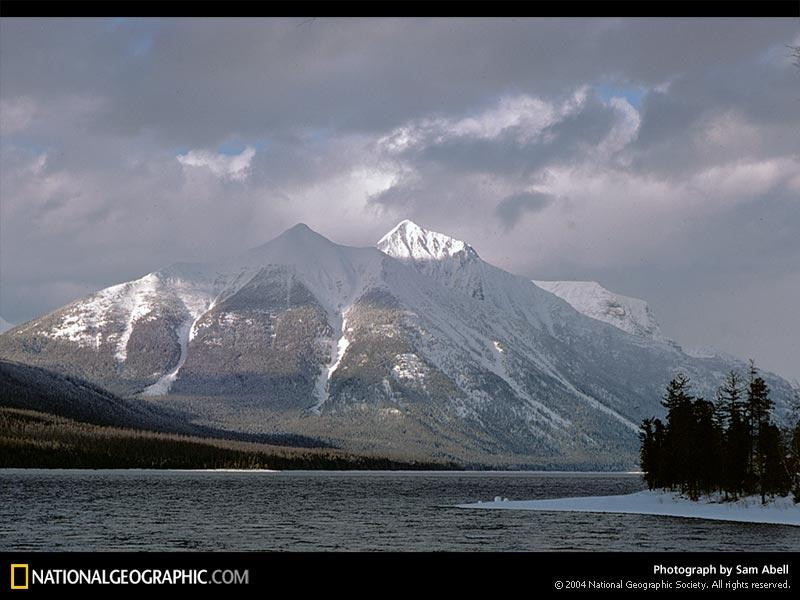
x=16 y=575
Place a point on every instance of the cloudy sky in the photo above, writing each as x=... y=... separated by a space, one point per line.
x=660 y=158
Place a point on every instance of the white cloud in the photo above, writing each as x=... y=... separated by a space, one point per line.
x=526 y=114
x=524 y=119
x=624 y=130
x=230 y=166
x=741 y=181
x=529 y=114
x=460 y=119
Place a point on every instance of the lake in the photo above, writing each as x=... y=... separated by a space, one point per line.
x=340 y=511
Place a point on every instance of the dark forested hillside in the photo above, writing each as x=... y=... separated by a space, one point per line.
x=33 y=388
x=49 y=420
x=31 y=439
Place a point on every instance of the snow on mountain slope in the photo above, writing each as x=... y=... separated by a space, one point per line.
x=455 y=264
x=708 y=352
x=604 y=329
x=593 y=300
x=5 y=325
x=335 y=274
x=409 y=240
x=419 y=334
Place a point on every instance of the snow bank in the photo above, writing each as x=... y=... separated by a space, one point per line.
x=781 y=511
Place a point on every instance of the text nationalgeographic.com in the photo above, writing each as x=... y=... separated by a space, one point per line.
x=132 y=577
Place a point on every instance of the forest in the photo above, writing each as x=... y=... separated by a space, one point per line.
x=731 y=446
x=32 y=439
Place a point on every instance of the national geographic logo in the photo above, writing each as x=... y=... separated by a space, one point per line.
x=19 y=576
x=22 y=576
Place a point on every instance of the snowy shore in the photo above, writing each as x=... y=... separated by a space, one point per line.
x=781 y=511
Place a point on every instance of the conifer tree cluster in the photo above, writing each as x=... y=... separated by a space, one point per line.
x=731 y=446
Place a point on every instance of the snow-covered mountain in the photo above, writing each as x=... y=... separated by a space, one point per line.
x=416 y=347
x=593 y=300
x=410 y=241
x=5 y=325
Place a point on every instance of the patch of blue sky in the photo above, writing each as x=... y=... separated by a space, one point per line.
x=633 y=95
x=318 y=135
x=25 y=144
x=142 y=45
x=236 y=146
x=115 y=23
x=141 y=32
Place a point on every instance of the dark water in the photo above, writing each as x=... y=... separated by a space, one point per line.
x=173 y=510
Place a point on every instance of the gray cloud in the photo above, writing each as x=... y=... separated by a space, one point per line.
x=663 y=153
x=511 y=209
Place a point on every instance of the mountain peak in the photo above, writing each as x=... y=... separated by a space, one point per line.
x=297 y=236
x=298 y=229
x=410 y=241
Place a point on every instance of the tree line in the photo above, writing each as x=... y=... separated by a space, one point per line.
x=732 y=446
x=32 y=439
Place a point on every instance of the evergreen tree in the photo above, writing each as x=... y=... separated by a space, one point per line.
x=706 y=457
x=737 y=478
x=652 y=452
x=774 y=474
x=767 y=451
x=677 y=395
x=736 y=439
x=794 y=462
x=729 y=399
x=732 y=446
x=648 y=453
x=677 y=433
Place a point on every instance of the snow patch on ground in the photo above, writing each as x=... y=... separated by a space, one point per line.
x=136 y=304
x=341 y=348
x=163 y=385
x=322 y=387
x=781 y=511
x=83 y=320
x=409 y=367
x=185 y=333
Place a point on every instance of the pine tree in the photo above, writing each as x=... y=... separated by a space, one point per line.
x=678 y=434
x=736 y=439
x=758 y=408
x=707 y=447
x=774 y=474
x=759 y=404
x=654 y=462
x=733 y=445
x=729 y=399
x=737 y=449
x=648 y=454
x=677 y=395
x=794 y=462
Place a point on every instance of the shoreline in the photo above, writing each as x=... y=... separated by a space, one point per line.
x=364 y=471
x=779 y=511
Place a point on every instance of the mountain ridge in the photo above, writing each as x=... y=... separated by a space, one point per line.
x=629 y=314
x=418 y=335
